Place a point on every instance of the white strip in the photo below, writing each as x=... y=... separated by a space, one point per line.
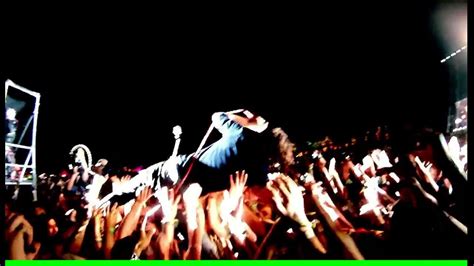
x=453 y=54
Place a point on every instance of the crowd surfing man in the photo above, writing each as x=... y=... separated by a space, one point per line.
x=248 y=143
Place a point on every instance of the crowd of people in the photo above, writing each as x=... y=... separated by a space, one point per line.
x=373 y=197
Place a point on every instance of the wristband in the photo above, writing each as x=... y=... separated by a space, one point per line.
x=308 y=231
x=166 y=220
x=135 y=256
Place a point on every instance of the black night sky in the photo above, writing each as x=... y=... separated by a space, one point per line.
x=120 y=87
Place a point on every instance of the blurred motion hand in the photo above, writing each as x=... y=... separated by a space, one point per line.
x=288 y=198
x=380 y=159
x=169 y=204
x=237 y=188
x=191 y=203
x=144 y=195
x=19 y=234
x=112 y=216
x=144 y=241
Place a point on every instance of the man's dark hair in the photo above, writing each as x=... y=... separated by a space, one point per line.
x=284 y=152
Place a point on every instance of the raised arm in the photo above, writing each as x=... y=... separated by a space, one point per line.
x=169 y=204
x=289 y=201
x=232 y=122
x=19 y=236
x=194 y=220
x=339 y=225
x=73 y=179
x=226 y=126
x=131 y=220
x=111 y=221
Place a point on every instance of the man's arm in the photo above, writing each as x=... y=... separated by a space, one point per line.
x=226 y=123
x=233 y=121
x=73 y=179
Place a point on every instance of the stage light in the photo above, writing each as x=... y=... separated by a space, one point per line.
x=11 y=114
x=450 y=23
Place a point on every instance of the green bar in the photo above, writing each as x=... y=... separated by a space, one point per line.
x=241 y=262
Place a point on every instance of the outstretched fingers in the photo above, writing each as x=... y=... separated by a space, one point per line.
x=277 y=198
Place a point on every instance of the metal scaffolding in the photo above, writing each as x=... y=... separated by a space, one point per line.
x=30 y=161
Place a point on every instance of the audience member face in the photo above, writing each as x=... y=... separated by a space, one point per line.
x=62 y=201
x=52 y=227
x=266 y=212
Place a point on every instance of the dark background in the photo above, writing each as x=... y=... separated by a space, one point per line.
x=119 y=84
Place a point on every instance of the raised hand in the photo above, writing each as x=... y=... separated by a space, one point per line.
x=19 y=232
x=332 y=166
x=195 y=219
x=112 y=216
x=144 y=195
x=289 y=201
x=238 y=227
x=337 y=222
x=192 y=194
x=237 y=188
x=288 y=198
x=96 y=221
x=214 y=219
x=124 y=179
x=359 y=172
x=368 y=165
x=327 y=206
x=425 y=168
x=111 y=220
x=96 y=213
x=169 y=204
x=131 y=219
x=75 y=170
x=191 y=203
x=144 y=241
x=380 y=159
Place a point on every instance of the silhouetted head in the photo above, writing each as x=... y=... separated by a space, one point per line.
x=284 y=149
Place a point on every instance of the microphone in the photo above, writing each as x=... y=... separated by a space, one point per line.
x=177 y=133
